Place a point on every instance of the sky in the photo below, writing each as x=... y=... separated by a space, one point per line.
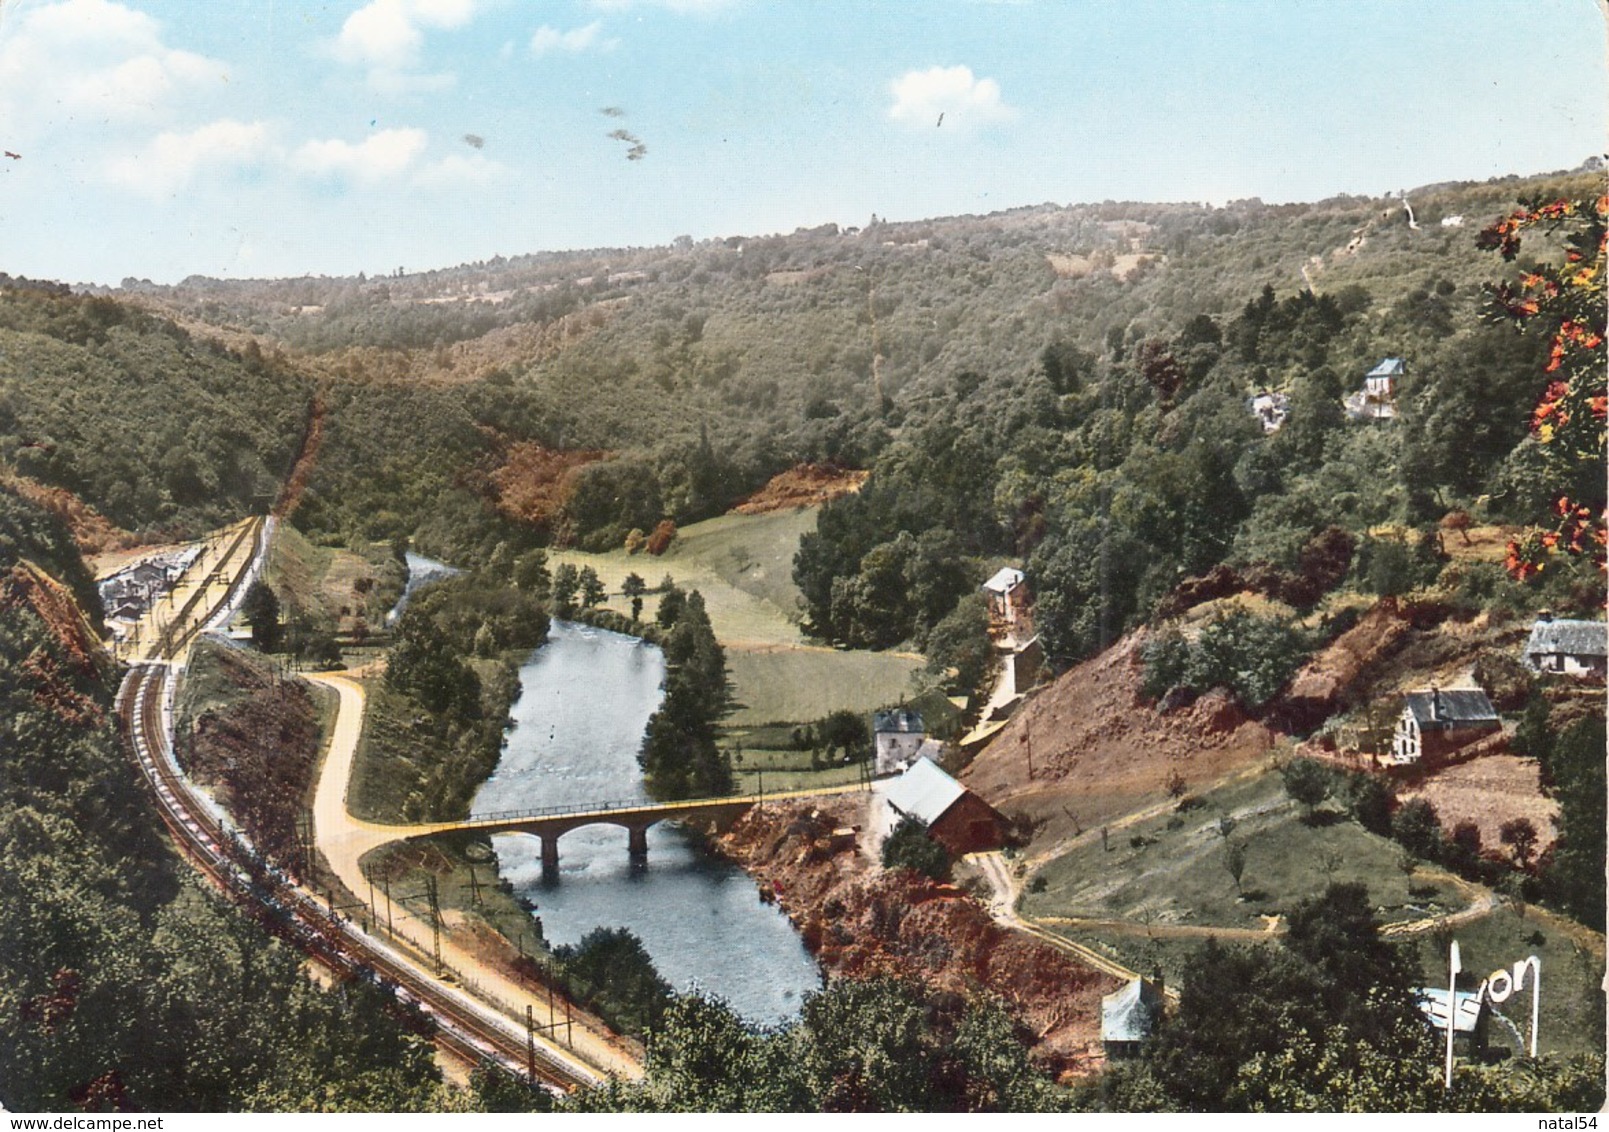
x=155 y=139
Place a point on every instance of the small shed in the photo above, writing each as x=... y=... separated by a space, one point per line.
x=1008 y=595
x=955 y=817
x=1436 y=722
x=1572 y=648
x=899 y=734
x=1470 y=1020
x=1128 y=1015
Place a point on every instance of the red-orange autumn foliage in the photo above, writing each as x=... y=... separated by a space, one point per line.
x=1569 y=421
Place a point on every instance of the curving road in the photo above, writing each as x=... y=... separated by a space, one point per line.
x=465 y=1027
x=344 y=840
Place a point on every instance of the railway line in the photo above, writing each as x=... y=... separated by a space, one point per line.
x=460 y=1025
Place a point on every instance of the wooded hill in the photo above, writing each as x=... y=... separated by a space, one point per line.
x=706 y=367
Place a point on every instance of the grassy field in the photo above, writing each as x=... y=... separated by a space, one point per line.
x=800 y=685
x=743 y=565
x=332 y=587
x=1151 y=901
x=1175 y=873
x=389 y=756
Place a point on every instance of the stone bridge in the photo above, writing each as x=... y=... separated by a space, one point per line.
x=552 y=822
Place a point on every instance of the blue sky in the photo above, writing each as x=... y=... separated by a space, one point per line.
x=160 y=138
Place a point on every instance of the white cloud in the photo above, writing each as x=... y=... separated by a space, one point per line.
x=963 y=99
x=94 y=57
x=380 y=156
x=680 y=7
x=457 y=170
x=546 y=40
x=172 y=159
x=387 y=36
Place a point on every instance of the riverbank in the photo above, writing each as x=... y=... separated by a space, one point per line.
x=862 y=921
x=345 y=843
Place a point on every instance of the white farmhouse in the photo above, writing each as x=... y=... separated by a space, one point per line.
x=1436 y=722
x=1571 y=648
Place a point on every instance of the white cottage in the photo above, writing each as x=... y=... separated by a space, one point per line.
x=1377 y=400
x=1571 y=648
x=1008 y=594
x=901 y=738
x=1436 y=722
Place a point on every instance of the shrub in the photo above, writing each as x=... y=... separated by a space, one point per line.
x=1416 y=828
x=909 y=847
x=660 y=539
x=1307 y=782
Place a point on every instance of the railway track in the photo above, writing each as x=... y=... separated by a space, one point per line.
x=224 y=856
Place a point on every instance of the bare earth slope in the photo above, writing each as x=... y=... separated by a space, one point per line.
x=862 y=921
x=1099 y=752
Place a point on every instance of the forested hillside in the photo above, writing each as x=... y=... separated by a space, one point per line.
x=1032 y=383
x=161 y=432
x=123 y=983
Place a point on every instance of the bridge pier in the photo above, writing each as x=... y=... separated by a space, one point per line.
x=638 y=846
x=550 y=856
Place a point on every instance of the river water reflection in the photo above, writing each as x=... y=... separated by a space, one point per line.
x=586 y=697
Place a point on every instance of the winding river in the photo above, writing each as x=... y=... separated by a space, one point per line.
x=586 y=697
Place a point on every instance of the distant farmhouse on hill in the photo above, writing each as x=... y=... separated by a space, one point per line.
x=1436 y=722
x=1007 y=595
x=1571 y=648
x=1377 y=400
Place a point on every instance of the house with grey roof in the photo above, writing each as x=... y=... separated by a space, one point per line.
x=1008 y=594
x=900 y=738
x=955 y=817
x=1128 y=1015
x=1571 y=648
x=1377 y=400
x=1438 y=721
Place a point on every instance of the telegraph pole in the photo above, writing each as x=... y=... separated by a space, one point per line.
x=530 y=1047
x=435 y=922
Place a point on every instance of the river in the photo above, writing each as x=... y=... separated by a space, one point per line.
x=586 y=697
x=421 y=572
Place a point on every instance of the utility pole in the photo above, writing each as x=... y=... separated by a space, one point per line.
x=435 y=922
x=549 y=981
x=385 y=882
x=474 y=885
x=530 y=1048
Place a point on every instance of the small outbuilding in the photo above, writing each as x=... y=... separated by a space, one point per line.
x=955 y=817
x=1571 y=648
x=1128 y=1015
x=1270 y=409
x=1437 y=722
